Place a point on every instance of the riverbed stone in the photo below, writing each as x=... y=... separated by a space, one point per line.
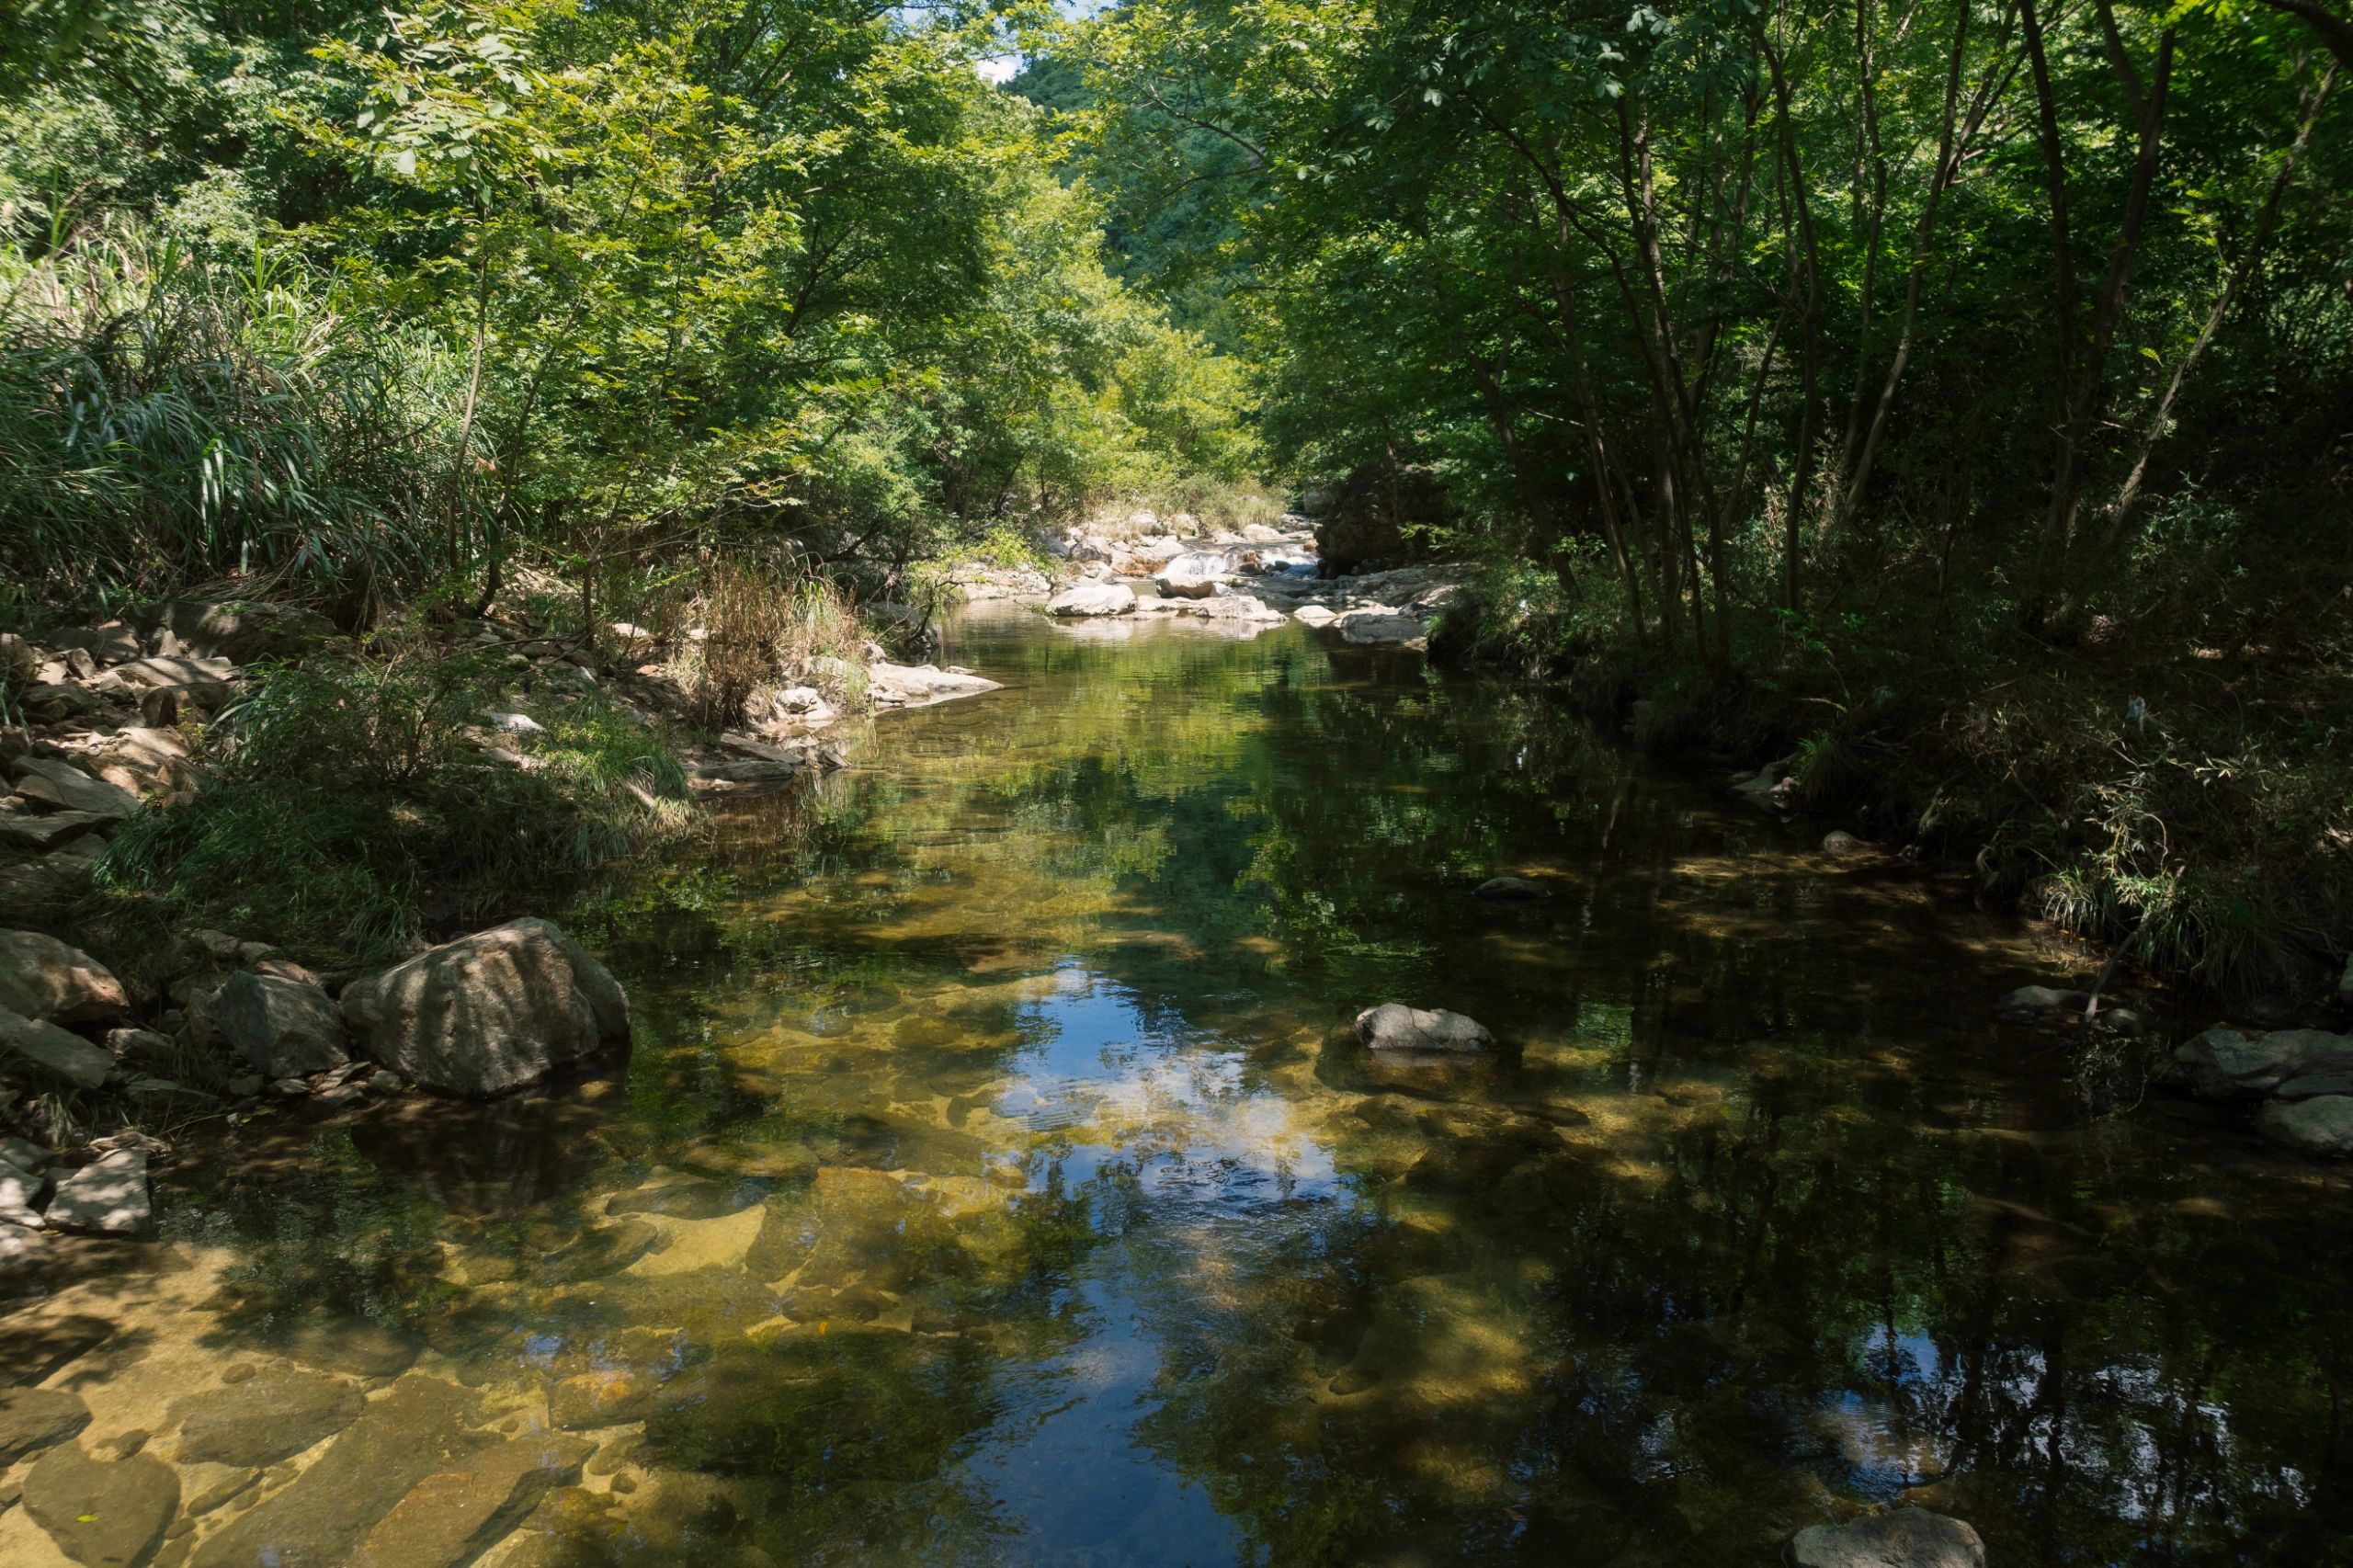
x=1392 y=1026
x=489 y=1012
x=272 y=1416
x=38 y=1044
x=42 y=977
x=2322 y=1125
x=1840 y=842
x=108 y=1198
x=102 y=1515
x=603 y=1398
x=32 y=1419
x=1908 y=1538
x=1086 y=600
x=319 y=1519
x=452 y=1515
x=282 y=1026
x=2223 y=1063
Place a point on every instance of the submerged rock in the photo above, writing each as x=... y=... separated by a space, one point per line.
x=2322 y=1125
x=32 y=1419
x=270 y=1416
x=489 y=1012
x=1908 y=1538
x=1392 y=1026
x=2226 y=1064
x=42 y=977
x=451 y=1516
x=319 y=1519
x=102 y=1514
x=284 y=1028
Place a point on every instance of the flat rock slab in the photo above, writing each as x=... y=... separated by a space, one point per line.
x=267 y=1417
x=451 y=1516
x=105 y=1198
x=102 y=1514
x=21 y=1198
x=62 y=784
x=1909 y=1538
x=320 y=1519
x=42 y=977
x=56 y=1052
x=1392 y=1026
x=31 y=1419
x=26 y=831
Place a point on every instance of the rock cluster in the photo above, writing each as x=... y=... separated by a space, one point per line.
x=2300 y=1080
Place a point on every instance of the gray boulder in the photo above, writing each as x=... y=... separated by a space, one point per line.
x=1392 y=1026
x=284 y=1028
x=108 y=1198
x=1092 y=600
x=239 y=630
x=489 y=1012
x=1908 y=1538
x=2322 y=1125
x=1841 y=843
x=2228 y=1064
x=43 y=978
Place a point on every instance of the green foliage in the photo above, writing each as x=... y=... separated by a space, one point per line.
x=352 y=806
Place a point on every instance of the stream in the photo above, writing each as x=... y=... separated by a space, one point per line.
x=995 y=1179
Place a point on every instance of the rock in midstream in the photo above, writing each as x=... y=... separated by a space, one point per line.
x=1392 y=1026
x=102 y=1515
x=270 y=1416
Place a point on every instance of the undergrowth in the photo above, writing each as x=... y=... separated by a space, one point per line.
x=2168 y=777
x=351 y=812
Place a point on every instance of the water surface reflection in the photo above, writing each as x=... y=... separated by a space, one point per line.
x=993 y=1179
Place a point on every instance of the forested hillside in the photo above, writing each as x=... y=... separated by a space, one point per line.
x=375 y=300
x=1959 y=396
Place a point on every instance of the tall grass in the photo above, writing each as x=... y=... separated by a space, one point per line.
x=168 y=419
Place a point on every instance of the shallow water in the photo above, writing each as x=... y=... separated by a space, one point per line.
x=993 y=1180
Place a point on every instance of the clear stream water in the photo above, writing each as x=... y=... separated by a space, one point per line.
x=993 y=1180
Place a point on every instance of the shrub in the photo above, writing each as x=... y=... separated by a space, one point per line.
x=352 y=807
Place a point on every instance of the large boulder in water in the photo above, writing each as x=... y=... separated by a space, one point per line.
x=2228 y=1064
x=1908 y=1538
x=491 y=1012
x=1393 y=1026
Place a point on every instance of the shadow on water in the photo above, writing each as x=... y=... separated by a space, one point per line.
x=994 y=1179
